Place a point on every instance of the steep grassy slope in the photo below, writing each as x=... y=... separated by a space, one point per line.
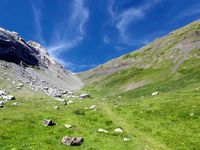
x=157 y=61
x=170 y=65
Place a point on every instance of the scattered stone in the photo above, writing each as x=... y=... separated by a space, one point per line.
x=102 y=131
x=118 y=130
x=155 y=93
x=67 y=126
x=15 y=103
x=2 y=93
x=93 y=107
x=48 y=123
x=82 y=96
x=126 y=139
x=45 y=88
x=60 y=99
x=72 y=141
x=69 y=102
x=8 y=97
x=192 y=114
x=2 y=102
x=20 y=85
x=57 y=95
x=56 y=107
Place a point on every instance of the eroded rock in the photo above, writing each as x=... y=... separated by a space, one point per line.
x=72 y=141
x=48 y=123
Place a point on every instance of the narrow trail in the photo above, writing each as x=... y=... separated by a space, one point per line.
x=133 y=133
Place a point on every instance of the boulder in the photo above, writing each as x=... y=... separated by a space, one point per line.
x=72 y=141
x=67 y=126
x=126 y=139
x=69 y=102
x=20 y=85
x=60 y=99
x=118 y=130
x=93 y=107
x=155 y=93
x=48 y=123
x=102 y=130
x=2 y=102
x=15 y=104
x=84 y=96
x=8 y=97
x=56 y=107
x=2 y=93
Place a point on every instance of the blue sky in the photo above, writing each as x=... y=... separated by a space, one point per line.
x=82 y=34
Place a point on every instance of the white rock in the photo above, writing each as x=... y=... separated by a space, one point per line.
x=69 y=102
x=20 y=85
x=192 y=114
x=67 y=126
x=15 y=103
x=84 y=96
x=8 y=97
x=102 y=131
x=118 y=130
x=60 y=99
x=56 y=107
x=93 y=107
x=126 y=139
x=2 y=102
x=2 y=93
x=155 y=93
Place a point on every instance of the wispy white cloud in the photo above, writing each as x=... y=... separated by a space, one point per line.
x=36 y=7
x=106 y=39
x=68 y=34
x=128 y=17
x=74 y=29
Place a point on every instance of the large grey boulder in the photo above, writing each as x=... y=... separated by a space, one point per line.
x=72 y=141
x=8 y=97
x=84 y=96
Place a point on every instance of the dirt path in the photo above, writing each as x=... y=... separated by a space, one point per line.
x=138 y=136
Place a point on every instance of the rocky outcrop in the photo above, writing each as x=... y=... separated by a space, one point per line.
x=73 y=141
x=14 y=49
x=30 y=63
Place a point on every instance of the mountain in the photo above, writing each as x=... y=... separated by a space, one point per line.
x=30 y=63
x=172 y=56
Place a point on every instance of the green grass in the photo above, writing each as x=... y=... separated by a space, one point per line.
x=167 y=121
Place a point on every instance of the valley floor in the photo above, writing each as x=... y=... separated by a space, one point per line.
x=168 y=121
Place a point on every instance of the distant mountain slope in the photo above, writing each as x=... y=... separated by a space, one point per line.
x=172 y=55
x=29 y=63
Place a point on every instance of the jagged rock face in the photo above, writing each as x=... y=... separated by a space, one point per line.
x=44 y=58
x=37 y=68
x=14 y=49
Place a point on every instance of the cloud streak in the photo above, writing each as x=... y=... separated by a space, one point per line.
x=74 y=27
x=68 y=34
x=37 y=18
x=128 y=17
